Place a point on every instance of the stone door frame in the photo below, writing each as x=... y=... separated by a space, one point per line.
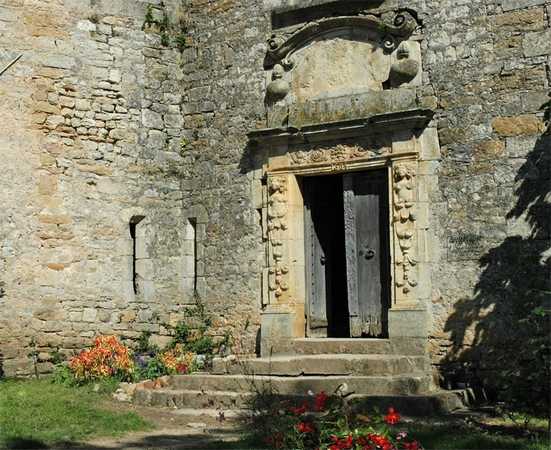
x=341 y=147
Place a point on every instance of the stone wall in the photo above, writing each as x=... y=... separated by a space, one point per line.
x=112 y=141
x=106 y=134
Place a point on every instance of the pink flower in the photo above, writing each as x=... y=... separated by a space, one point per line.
x=401 y=435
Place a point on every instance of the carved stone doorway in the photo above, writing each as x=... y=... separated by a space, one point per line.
x=347 y=254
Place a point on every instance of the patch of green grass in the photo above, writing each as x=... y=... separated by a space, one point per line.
x=37 y=414
x=475 y=438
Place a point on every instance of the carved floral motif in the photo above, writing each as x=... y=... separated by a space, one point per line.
x=337 y=154
x=277 y=210
x=404 y=220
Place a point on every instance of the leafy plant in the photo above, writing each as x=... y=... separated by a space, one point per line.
x=180 y=40
x=64 y=376
x=165 y=39
x=94 y=18
x=106 y=358
x=528 y=377
x=150 y=19
x=328 y=422
x=190 y=332
x=183 y=151
x=143 y=342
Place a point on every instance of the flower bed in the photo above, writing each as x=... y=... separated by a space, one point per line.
x=328 y=422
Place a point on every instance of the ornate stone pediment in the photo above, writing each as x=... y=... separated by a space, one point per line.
x=339 y=56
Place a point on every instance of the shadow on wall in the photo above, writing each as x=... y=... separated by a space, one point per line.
x=487 y=335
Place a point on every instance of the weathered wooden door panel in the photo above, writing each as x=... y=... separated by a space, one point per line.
x=320 y=200
x=366 y=236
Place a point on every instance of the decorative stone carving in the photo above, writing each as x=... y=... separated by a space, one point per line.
x=404 y=220
x=334 y=55
x=403 y=26
x=405 y=68
x=335 y=154
x=277 y=210
x=278 y=88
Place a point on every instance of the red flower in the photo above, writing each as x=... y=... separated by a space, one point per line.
x=320 y=402
x=412 y=445
x=392 y=417
x=338 y=443
x=380 y=441
x=302 y=409
x=306 y=428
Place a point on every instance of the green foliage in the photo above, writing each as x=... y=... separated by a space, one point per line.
x=528 y=376
x=64 y=376
x=149 y=20
x=2 y=292
x=94 y=18
x=163 y=27
x=56 y=357
x=180 y=41
x=190 y=332
x=183 y=151
x=155 y=369
x=165 y=39
x=143 y=345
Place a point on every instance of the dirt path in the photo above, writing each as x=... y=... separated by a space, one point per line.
x=175 y=429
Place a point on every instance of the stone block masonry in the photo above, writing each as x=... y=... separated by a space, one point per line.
x=97 y=135
x=128 y=181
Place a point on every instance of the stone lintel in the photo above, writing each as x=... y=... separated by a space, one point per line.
x=414 y=119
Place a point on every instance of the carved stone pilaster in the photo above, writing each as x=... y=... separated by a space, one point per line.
x=404 y=221
x=277 y=228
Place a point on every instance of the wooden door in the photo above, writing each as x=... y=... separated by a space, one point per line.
x=325 y=265
x=366 y=230
x=346 y=224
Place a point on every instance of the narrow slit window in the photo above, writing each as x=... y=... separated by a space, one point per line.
x=190 y=260
x=138 y=249
x=193 y=227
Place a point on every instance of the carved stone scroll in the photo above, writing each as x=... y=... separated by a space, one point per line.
x=277 y=226
x=404 y=220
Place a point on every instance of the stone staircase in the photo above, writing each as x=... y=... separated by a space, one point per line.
x=361 y=368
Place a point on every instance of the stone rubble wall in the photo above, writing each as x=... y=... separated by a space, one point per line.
x=101 y=123
x=489 y=65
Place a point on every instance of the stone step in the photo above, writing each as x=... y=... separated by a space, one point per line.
x=321 y=364
x=214 y=402
x=411 y=383
x=320 y=346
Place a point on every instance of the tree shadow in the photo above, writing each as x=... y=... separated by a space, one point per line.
x=488 y=337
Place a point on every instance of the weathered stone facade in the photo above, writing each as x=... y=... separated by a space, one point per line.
x=135 y=173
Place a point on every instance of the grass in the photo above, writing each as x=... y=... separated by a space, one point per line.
x=475 y=438
x=38 y=414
